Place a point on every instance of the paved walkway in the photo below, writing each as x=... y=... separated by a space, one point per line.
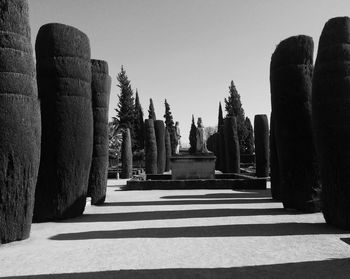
x=182 y=234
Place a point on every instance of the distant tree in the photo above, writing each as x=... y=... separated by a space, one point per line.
x=138 y=124
x=249 y=140
x=233 y=107
x=193 y=137
x=220 y=117
x=151 y=112
x=169 y=124
x=126 y=106
x=209 y=131
x=169 y=121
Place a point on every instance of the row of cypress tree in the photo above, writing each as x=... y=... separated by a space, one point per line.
x=309 y=131
x=55 y=150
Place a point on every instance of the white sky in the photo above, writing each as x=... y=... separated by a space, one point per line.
x=189 y=51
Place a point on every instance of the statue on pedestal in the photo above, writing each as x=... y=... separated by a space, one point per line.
x=201 y=146
x=178 y=137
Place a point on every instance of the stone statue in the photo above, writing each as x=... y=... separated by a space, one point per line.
x=201 y=146
x=177 y=137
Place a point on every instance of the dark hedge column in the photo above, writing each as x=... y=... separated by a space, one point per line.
x=64 y=85
x=20 y=132
x=126 y=155
x=167 y=150
x=160 y=138
x=331 y=119
x=274 y=166
x=261 y=138
x=290 y=77
x=100 y=91
x=221 y=149
x=150 y=147
x=231 y=145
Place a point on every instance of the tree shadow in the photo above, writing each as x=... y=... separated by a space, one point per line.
x=178 y=214
x=279 y=229
x=260 y=194
x=188 y=202
x=332 y=268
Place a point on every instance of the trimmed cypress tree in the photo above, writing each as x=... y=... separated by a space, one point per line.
x=139 y=126
x=261 y=136
x=126 y=155
x=160 y=139
x=249 y=139
x=290 y=77
x=64 y=87
x=220 y=142
x=151 y=112
x=150 y=147
x=20 y=132
x=220 y=117
x=100 y=91
x=274 y=164
x=193 y=137
x=331 y=107
x=231 y=145
x=167 y=150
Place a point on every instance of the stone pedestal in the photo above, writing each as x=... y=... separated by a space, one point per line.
x=193 y=167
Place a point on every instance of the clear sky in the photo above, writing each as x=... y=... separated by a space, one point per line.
x=189 y=51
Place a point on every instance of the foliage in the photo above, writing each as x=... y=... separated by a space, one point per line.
x=209 y=130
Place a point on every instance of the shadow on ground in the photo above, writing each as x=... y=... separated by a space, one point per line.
x=278 y=229
x=335 y=268
x=235 y=195
x=178 y=214
x=188 y=202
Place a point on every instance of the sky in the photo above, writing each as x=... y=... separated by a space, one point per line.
x=189 y=51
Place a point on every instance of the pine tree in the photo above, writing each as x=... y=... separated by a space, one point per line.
x=193 y=137
x=138 y=124
x=125 y=110
x=151 y=112
x=234 y=108
x=249 y=139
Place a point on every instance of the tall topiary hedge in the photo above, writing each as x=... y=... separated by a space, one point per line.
x=100 y=91
x=261 y=139
x=274 y=165
x=331 y=118
x=167 y=150
x=291 y=84
x=126 y=155
x=160 y=139
x=231 y=145
x=20 y=132
x=150 y=147
x=64 y=86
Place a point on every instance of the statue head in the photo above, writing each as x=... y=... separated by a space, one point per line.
x=199 y=122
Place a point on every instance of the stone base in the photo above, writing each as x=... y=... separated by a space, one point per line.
x=192 y=167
